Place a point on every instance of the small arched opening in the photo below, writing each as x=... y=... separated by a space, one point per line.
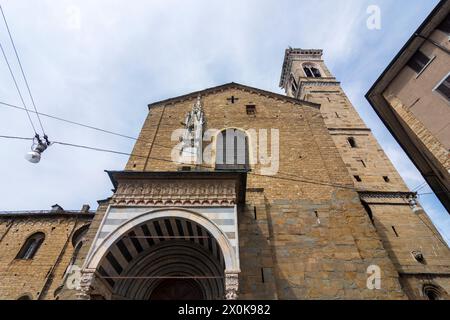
x=433 y=292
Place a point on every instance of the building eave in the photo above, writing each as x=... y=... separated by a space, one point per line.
x=46 y=214
x=232 y=85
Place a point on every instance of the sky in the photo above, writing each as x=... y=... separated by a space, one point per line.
x=100 y=62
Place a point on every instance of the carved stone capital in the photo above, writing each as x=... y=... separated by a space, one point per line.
x=86 y=285
x=231 y=286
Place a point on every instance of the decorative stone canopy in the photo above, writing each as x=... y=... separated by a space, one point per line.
x=178 y=188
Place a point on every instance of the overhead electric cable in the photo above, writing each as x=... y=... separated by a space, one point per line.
x=21 y=69
x=299 y=179
x=14 y=137
x=69 y=121
x=17 y=88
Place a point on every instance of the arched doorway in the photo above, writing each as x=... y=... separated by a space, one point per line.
x=177 y=256
x=177 y=289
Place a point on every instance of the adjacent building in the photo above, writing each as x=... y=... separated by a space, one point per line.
x=38 y=250
x=412 y=98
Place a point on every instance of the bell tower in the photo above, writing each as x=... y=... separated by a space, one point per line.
x=400 y=222
x=305 y=76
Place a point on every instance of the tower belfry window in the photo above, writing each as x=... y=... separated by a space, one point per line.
x=311 y=71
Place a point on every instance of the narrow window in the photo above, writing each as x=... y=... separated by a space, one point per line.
x=363 y=163
x=351 y=142
x=31 y=246
x=395 y=231
x=262 y=275
x=317 y=216
x=251 y=110
x=386 y=179
x=294 y=85
x=357 y=178
x=369 y=211
x=418 y=61
x=444 y=88
x=445 y=25
x=337 y=115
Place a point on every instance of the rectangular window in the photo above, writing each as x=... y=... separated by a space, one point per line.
x=251 y=109
x=444 y=88
x=445 y=25
x=418 y=61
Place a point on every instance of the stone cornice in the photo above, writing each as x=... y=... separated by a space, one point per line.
x=383 y=197
x=386 y=194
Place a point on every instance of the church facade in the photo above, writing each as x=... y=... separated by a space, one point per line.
x=234 y=192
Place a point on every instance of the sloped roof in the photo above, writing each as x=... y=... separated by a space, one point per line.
x=232 y=85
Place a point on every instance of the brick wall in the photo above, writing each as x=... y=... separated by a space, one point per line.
x=41 y=276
